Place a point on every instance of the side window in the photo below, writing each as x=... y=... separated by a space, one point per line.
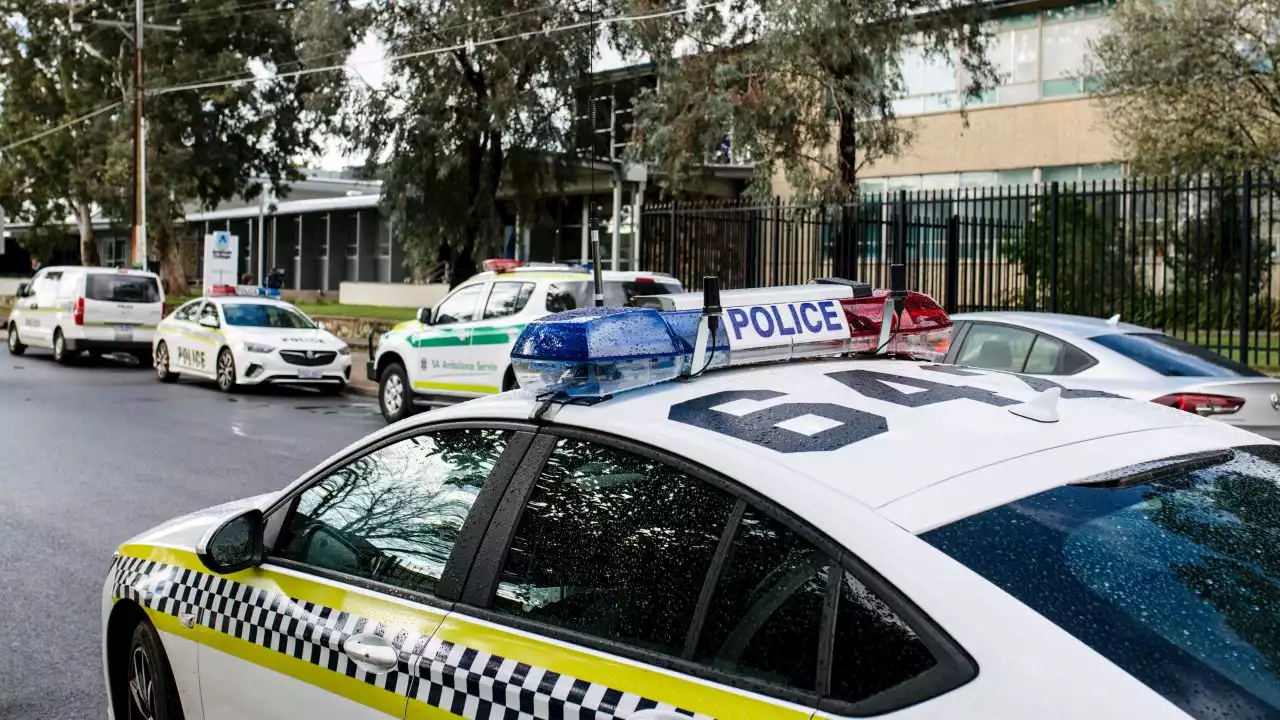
x=187 y=312
x=561 y=298
x=613 y=545
x=393 y=515
x=1046 y=353
x=507 y=298
x=765 y=616
x=996 y=347
x=874 y=649
x=210 y=311
x=458 y=307
x=1074 y=360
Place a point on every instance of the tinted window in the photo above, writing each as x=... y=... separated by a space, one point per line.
x=458 y=307
x=575 y=294
x=269 y=316
x=507 y=298
x=1173 y=357
x=766 y=613
x=1044 y=356
x=394 y=515
x=874 y=650
x=614 y=545
x=121 y=288
x=187 y=312
x=209 y=312
x=1171 y=571
x=1074 y=360
x=996 y=347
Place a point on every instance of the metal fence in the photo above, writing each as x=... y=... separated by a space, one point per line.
x=1195 y=257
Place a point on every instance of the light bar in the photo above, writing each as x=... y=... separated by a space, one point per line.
x=241 y=290
x=748 y=296
x=593 y=352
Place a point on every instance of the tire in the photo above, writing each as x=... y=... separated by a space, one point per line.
x=333 y=389
x=15 y=345
x=394 y=396
x=61 y=355
x=151 y=693
x=226 y=371
x=163 y=373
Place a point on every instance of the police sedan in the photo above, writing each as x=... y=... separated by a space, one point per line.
x=241 y=335
x=646 y=532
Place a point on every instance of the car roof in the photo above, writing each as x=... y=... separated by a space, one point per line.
x=553 y=273
x=921 y=447
x=95 y=270
x=247 y=300
x=1055 y=323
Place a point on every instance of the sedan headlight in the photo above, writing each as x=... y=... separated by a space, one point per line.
x=344 y=350
x=256 y=348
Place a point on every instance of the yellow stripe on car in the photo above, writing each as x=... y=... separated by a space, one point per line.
x=456 y=387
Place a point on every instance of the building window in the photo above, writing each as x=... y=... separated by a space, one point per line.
x=930 y=81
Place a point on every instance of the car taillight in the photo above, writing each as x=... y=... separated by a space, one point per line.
x=77 y=313
x=1201 y=404
x=923 y=331
x=164 y=309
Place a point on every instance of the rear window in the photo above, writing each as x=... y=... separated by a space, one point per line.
x=1170 y=570
x=1173 y=357
x=268 y=316
x=122 y=288
x=617 y=293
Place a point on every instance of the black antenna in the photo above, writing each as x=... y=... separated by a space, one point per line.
x=594 y=221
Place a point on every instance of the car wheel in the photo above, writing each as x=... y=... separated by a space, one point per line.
x=226 y=371
x=163 y=373
x=15 y=345
x=60 y=354
x=394 y=396
x=153 y=694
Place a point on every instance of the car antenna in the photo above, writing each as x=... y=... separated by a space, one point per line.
x=1043 y=408
x=1114 y=320
x=897 y=277
x=709 y=324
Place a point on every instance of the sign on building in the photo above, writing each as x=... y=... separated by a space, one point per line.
x=221 y=259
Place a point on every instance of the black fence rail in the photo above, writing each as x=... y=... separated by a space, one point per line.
x=1195 y=257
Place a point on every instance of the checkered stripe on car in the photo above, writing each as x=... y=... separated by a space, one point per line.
x=463 y=681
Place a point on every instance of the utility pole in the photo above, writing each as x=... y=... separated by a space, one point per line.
x=139 y=254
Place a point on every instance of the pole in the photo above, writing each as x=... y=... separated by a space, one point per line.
x=139 y=149
x=1246 y=248
x=1053 y=247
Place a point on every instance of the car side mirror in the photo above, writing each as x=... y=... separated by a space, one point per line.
x=234 y=545
x=320 y=326
x=24 y=290
x=209 y=322
x=424 y=316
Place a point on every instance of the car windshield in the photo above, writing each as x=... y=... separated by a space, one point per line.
x=122 y=288
x=1173 y=357
x=1170 y=570
x=268 y=316
x=575 y=294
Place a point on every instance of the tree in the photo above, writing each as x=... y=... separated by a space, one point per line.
x=804 y=88
x=1189 y=86
x=455 y=127
x=204 y=146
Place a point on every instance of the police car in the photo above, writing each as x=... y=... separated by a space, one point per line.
x=459 y=350
x=244 y=335
x=658 y=527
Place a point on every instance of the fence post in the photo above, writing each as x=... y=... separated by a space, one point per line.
x=772 y=275
x=1246 y=250
x=952 y=281
x=1053 y=246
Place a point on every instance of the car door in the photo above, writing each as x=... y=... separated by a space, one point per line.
x=40 y=316
x=502 y=319
x=361 y=573
x=618 y=582
x=444 y=364
x=190 y=347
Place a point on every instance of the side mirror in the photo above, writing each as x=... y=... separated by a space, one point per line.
x=424 y=316
x=209 y=322
x=24 y=290
x=234 y=545
x=321 y=326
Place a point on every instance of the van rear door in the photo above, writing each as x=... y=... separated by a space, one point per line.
x=127 y=300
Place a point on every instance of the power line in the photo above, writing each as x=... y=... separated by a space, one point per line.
x=437 y=51
x=63 y=126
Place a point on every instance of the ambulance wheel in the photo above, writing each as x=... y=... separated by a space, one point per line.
x=60 y=353
x=15 y=345
x=394 y=396
x=163 y=373
x=153 y=695
x=226 y=371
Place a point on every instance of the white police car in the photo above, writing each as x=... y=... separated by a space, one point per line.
x=627 y=537
x=242 y=335
x=459 y=350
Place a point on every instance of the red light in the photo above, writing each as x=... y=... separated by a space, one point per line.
x=500 y=264
x=77 y=313
x=925 y=332
x=219 y=290
x=644 y=280
x=1200 y=404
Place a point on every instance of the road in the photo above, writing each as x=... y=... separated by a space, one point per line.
x=93 y=454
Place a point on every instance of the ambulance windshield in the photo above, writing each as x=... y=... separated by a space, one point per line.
x=575 y=294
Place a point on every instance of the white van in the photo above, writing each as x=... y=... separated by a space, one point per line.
x=87 y=309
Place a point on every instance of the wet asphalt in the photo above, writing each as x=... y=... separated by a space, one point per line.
x=91 y=455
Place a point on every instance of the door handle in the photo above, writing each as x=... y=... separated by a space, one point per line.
x=371 y=653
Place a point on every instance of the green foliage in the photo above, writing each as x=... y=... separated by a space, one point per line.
x=1190 y=85
x=453 y=129
x=807 y=88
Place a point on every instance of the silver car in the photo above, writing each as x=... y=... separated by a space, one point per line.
x=1126 y=359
